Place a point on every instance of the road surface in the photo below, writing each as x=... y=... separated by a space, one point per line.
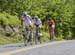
x=50 y=48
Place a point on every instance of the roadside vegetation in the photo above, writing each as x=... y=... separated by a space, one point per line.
x=62 y=11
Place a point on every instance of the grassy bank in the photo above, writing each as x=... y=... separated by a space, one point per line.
x=9 y=40
x=18 y=38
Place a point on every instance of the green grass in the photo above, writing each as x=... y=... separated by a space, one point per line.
x=8 y=40
x=18 y=38
x=45 y=36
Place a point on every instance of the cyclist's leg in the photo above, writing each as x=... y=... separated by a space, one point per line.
x=39 y=34
x=51 y=35
x=26 y=35
x=36 y=35
x=30 y=35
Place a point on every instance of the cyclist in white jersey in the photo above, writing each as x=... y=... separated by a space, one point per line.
x=27 y=23
x=38 y=25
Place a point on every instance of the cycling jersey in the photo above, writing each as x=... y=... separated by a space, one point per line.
x=27 y=21
x=38 y=23
x=51 y=25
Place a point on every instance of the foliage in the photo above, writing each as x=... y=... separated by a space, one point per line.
x=7 y=19
x=8 y=40
x=62 y=11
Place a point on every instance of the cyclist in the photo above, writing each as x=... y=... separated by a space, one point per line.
x=38 y=25
x=27 y=23
x=51 y=26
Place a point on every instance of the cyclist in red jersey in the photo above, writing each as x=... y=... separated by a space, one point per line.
x=51 y=27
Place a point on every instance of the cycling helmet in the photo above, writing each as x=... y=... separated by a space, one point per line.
x=50 y=18
x=36 y=17
x=25 y=13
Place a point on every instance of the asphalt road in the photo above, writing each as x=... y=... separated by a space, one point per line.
x=62 y=48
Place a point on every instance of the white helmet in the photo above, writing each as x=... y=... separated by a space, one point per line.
x=36 y=17
x=25 y=13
